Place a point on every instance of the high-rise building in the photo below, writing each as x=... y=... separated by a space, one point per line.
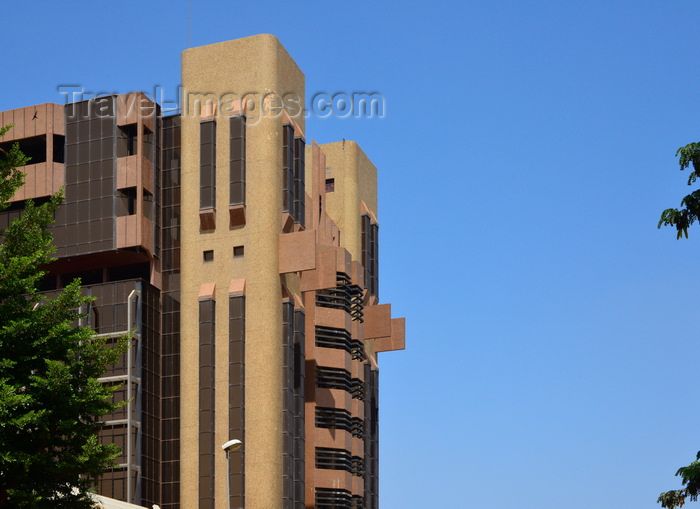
x=244 y=260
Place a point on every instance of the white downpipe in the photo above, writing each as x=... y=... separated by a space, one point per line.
x=129 y=403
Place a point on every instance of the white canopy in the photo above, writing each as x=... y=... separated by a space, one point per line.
x=110 y=503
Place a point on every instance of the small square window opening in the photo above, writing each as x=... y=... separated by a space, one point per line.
x=209 y=256
x=238 y=251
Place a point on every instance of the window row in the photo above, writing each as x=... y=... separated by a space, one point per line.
x=338 y=378
x=208 y=255
x=331 y=337
x=339 y=459
x=36 y=148
x=339 y=418
x=330 y=498
x=207 y=162
x=346 y=296
x=293 y=168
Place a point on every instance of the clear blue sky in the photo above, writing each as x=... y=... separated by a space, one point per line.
x=525 y=156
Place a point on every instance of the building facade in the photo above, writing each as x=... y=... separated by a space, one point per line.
x=245 y=261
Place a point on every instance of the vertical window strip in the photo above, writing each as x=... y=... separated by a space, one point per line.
x=151 y=399
x=237 y=397
x=370 y=253
x=366 y=250
x=300 y=400
x=157 y=185
x=207 y=164
x=206 y=403
x=288 y=169
x=170 y=330
x=299 y=181
x=374 y=259
x=288 y=401
x=237 y=169
x=371 y=474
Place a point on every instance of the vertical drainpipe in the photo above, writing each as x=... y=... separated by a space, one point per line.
x=134 y=297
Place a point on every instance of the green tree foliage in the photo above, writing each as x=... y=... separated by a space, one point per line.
x=690 y=205
x=50 y=399
x=682 y=219
x=690 y=476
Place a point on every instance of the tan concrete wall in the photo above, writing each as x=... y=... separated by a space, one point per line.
x=355 y=182
x=259 y=64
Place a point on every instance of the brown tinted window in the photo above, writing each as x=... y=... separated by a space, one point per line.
x=236 y=395
x=299 y=208
x=126 y=140
x=237 y=169
x=206 y=402
x=287 y=168
x=207 y=164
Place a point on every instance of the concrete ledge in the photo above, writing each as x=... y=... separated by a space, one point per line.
x=236 y=215
x=207 y=219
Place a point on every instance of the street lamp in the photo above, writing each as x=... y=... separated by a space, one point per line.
x=231 y=445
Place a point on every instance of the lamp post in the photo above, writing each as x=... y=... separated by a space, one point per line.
x=231 y=445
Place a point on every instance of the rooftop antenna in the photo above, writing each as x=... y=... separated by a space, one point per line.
x=189 y=22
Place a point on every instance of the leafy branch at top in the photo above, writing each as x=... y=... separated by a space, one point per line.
x=683 y=218
x=691 y=482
